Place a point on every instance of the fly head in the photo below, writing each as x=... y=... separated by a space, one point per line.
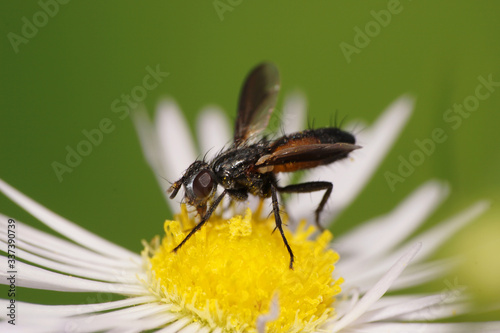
x=199 y=186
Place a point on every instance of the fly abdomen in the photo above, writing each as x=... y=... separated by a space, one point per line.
x=313 y=136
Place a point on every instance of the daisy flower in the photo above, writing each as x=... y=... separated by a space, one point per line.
x=233 y=275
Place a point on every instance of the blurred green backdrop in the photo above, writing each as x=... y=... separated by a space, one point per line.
x=60 y=74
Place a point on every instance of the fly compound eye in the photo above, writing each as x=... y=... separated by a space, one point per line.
x=203 y=184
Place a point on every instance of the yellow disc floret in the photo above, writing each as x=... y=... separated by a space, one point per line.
x=227 y=274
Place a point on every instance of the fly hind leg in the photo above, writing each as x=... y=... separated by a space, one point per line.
x=308 y=188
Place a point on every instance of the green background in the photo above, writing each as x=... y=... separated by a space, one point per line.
x=65 y=78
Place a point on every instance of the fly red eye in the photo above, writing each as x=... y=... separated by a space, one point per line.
x=203 y=184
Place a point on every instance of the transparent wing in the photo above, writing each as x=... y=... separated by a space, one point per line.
x=257 y=100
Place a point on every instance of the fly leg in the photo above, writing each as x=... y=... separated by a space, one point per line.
x=203 y=220
x=308 y=188
x=277 y=219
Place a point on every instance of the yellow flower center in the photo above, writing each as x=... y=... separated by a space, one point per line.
x=227 y=274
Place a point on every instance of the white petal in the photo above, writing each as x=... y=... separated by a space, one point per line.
x=176 y=141
x=20 y=328
x=400 y=309
x=213 y=131
x=394 y=227
x=148 y=139
x=131 y=317
x=272 y=315
x=294 y=110
x=195 y=327
x=368 y=273
x=37 y=278
x=488 y=327
x=176 y=326
x=390 y=300
x=177 y=149
x=430 y=239
x=351 y=297
x=72 y=270
x=42 y=310
x=384 y=132
x=436 y=236
x=49 y=246
x=440 y=311
x=67 y=228
x=145 y=323
x=152 y=151
x=418 y=274
x=292 y=120
x=377 y=291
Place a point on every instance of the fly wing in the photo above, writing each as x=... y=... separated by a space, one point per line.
x=257 y=100
x=300 y=157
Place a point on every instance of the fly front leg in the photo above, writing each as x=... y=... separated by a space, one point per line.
x=308 y=188
x=277 y=219
x=204 y=219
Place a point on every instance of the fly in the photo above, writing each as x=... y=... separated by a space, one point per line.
x=250 y=167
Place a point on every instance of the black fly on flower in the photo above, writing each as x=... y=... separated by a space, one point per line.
x=250 y=165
